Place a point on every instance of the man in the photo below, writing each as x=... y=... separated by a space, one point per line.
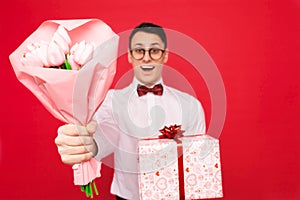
x=132 y=113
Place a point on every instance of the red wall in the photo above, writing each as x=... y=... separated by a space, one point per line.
x=255 y=45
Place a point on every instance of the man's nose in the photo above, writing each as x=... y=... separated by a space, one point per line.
x=147 y=57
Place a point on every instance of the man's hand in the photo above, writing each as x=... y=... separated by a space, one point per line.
x=76 y=143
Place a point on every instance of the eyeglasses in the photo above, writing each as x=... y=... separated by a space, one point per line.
x=154 y=53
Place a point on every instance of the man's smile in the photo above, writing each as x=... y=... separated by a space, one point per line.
x=147 y=67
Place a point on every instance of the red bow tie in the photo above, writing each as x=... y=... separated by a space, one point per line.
x=157 y=90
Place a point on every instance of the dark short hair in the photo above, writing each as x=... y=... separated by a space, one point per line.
x=149 y=28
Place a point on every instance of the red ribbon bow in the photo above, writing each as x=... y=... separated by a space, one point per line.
x=171 y=132
x=157 y=90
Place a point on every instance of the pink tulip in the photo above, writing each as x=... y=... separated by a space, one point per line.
x=33 y=46
x=58 y=47
x=74 y=65
x=82 y=52
x=42 y=53
x=55 y=54
x=62 y=39
x=37 y=55
x=29 y=59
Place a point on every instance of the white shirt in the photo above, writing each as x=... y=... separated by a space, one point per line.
x=124 y=117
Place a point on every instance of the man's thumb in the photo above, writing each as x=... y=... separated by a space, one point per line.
x=91 y=127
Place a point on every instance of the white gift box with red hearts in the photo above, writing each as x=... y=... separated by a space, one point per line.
x=158 y=168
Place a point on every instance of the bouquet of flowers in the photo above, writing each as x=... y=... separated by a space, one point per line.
x=69 y=66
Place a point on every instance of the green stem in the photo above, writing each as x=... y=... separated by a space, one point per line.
x=67 y=64
x=95 y=187
x=91 y=190
x=86 y=191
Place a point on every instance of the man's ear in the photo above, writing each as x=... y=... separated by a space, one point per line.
x=166 y=55
x=129 y=57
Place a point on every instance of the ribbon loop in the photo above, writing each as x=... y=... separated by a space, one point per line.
x=171 y=132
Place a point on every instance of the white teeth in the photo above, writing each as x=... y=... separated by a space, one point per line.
x=147 y=67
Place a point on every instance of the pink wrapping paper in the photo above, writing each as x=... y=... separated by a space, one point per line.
x=158 y=177
x=158 y=169
x=202 y=167
x=72 y=96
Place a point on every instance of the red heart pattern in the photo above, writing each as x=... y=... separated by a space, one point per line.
x=202 y=168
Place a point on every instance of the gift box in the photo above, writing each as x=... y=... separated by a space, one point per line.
x=189 y=165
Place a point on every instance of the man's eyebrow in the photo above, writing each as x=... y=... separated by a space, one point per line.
x=155 y=43
x=138 y=44
x=152 y=44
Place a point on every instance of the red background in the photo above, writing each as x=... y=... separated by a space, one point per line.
x=255 y=45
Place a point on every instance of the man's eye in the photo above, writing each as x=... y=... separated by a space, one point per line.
x=139 y=50
x=154 y=50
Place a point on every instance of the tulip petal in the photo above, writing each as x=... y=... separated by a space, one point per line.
x=55 y=56
x=87 y=54
x=64 y=34
x=61 y=43
x=31 y=60
x=79 y=51
x=74 y=65
x=73 y=49
x=62 y=38
x=42 y=52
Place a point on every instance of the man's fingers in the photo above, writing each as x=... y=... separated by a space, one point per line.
x=73 y=140
x=91 y=127
x=75 y=143
x=76 y=159
x=73 y=130
x=74 y=150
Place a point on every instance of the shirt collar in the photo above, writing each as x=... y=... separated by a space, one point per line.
x=136 y=82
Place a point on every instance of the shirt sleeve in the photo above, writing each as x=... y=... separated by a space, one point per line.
x=196 y=122
x=107 y=134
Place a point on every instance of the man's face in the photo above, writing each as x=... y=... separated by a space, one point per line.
x=147 y=70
